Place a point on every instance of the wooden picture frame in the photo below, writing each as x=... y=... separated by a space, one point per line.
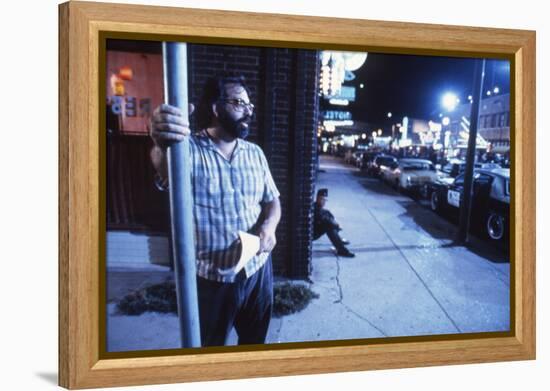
x=81 y=24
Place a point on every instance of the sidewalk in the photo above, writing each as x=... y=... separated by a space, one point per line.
x=405 y=280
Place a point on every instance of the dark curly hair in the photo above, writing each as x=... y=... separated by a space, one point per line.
x=214 y=90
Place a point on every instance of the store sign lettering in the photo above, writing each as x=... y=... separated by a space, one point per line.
x=337 y=115
x=131 y=106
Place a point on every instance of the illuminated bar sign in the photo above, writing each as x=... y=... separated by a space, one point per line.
x=346 y=92
x=336 y=115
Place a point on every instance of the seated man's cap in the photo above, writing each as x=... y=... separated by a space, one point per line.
x=322 y=193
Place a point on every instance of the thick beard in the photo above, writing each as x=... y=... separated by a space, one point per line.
x=236 y=128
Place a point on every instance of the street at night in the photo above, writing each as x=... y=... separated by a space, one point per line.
x=407 y=277
x=399 y=144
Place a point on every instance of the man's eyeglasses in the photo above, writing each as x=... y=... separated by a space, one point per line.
x=239 y=104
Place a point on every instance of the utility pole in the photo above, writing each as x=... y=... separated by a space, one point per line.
x=466 y=202
x=181 y=201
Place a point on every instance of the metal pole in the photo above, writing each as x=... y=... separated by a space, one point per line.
x=465 y=209
x=181 y=202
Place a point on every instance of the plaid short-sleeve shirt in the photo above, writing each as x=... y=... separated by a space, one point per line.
x=227 y=198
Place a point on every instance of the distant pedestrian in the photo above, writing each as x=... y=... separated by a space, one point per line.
x=325 y=223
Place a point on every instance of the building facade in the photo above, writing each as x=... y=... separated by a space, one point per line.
x=493 y=123
x=284 y=89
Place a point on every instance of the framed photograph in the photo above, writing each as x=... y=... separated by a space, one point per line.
x=249 y=195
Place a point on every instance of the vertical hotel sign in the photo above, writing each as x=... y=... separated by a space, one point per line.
x=134 y=88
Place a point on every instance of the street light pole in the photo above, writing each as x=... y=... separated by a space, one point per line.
x=466 y=206
x=181 y=201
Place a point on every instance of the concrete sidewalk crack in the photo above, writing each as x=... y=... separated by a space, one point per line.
x=341 y=300
x=499 y=274
x=275 y=329
x=280 y=329
x=414 y=271
x=340 y=292
x=364 y=319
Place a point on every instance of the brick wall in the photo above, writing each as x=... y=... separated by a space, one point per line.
x=305 y=149
x=283 y=84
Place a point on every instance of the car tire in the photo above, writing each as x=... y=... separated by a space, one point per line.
x=435 y=202
x=495 y=226
x=424 y=192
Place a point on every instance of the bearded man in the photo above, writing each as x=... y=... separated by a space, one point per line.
x=233 y=191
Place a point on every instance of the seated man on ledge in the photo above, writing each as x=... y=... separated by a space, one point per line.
x=325 y=223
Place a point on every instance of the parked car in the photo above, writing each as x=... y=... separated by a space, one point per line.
x=490 y=211
x=368 y=158
x=410 y=175
x=488 y=166
x=456 y=167
x=381 y=162
x=348 y=156
x=358 y=158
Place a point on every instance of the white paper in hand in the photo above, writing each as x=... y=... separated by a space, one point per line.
x=250 y=245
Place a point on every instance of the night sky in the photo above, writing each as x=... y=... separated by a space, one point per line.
x=413 y=86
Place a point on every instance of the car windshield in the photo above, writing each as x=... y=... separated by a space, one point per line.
x=368 y=157
x=385 y=161
x=418 y=167
x=456 y=168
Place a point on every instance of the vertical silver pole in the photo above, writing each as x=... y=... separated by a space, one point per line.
x=466 y=205
x=181 y=202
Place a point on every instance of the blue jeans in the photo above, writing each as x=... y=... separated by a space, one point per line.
x=246 y=304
